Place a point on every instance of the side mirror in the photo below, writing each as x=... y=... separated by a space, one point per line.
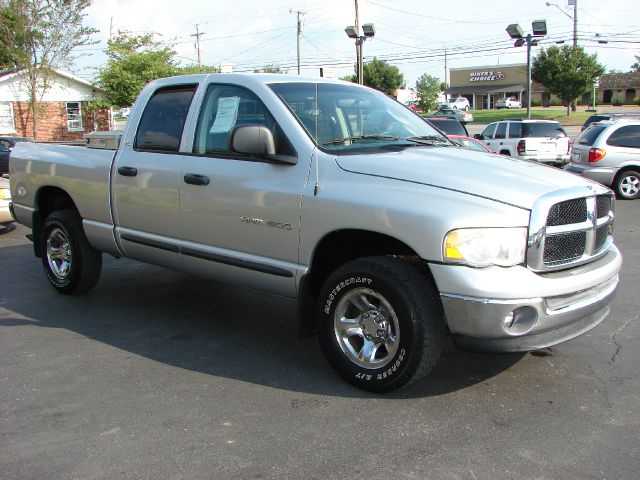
x=477 y=136
x=252 y=140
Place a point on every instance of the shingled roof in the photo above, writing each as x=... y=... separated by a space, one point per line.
x=620 y=81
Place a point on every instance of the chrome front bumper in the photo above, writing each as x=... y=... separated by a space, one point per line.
x=507 y=323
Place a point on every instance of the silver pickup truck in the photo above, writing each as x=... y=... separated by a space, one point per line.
x=331 y=193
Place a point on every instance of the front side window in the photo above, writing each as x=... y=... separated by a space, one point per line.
x=74 y=117
x=163 y=119
x=628 y=136
x=487 y=134
x=346 y=118
x=226 y=107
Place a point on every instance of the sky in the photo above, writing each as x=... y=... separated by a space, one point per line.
x=410 y=34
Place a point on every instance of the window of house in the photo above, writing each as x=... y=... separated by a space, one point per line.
x=7 y=124
x=74 y=117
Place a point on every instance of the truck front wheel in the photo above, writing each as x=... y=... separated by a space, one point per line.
x=381 y=323
x=72 y=265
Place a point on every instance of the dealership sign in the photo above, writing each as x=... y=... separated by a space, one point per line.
x=489 y=76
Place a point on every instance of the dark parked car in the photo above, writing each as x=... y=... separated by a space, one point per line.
x=599 y=117
x=448 y=125
x=6 y=145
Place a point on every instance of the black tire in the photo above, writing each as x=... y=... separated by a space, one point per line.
x=72 y=265
x=505 y=152
x=411 y=322
x=627 y=185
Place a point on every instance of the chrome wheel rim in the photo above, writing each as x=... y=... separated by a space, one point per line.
x=59 y=254
x=630 y=186
x=366 y=328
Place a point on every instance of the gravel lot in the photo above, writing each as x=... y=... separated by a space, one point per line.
x=157 y=375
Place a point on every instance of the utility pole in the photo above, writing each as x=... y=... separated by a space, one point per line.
x=299 y=14
x=359 y=62
x=111 y=29
x=446 y=72
x=198 y=34
x=575 y=23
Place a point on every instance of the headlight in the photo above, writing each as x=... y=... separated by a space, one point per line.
x=5 y=194
x=481 y=247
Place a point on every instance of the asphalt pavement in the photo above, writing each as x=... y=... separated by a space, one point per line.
x=159 y=375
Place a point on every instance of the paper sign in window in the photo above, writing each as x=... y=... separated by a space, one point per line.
x=226 y=115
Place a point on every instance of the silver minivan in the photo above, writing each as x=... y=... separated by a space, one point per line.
x=609 y=153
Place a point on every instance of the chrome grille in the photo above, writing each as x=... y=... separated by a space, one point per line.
x=570 y=228
x=569 y=211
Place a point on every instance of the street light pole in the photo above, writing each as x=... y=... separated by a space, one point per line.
x=516 y=32
x=575 y=23
x=528 y=76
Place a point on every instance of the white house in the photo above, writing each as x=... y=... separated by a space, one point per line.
x=63 y=116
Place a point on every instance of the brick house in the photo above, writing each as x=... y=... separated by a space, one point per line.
x=64 y=115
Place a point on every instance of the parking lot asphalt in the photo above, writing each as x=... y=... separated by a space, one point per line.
x=158 y=375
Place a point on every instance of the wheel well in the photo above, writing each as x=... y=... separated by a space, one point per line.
x=623 y=170
x=505 y=152
x=48 y=200
x=334 y=250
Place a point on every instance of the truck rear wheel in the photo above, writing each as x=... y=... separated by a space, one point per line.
x=72 y=265
x=381 y=323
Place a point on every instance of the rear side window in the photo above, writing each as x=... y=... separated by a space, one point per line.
x=553 y=130
x=501 y=131
x=515 y=130
x=588 y=136
x=164 y=118
x=628 y=136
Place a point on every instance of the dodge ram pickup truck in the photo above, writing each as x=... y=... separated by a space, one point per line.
x=387 y=235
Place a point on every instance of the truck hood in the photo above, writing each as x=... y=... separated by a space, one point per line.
x=497 y=177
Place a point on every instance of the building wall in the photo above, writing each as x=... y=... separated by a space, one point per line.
x=491 y=75
x=52 y=122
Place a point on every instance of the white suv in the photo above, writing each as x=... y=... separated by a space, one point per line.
x=459 y=103
x=542 y=141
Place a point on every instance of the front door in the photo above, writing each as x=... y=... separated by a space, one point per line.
x=240 y=214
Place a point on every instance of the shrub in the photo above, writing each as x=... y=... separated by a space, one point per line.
x=536 y=103
x=636 y=101
x=616 y=102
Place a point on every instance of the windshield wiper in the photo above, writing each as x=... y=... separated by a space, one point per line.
x=428 y=140
x=360 y=138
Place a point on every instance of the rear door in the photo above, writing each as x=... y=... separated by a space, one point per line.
x=146 y=179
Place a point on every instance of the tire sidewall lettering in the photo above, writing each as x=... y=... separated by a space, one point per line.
x=341 y=286
x=383 y=374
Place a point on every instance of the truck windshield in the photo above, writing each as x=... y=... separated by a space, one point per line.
x=344 y=118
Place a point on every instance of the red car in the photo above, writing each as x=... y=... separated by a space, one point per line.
x=470 y=143
x=414 y=105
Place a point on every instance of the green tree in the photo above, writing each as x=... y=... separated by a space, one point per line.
x=133 y=61
x=636 y=66
x=38 y=37
x=269 y=69
x=380 y=75
x=428 y=88
x=194 y=69
x=566 y=72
